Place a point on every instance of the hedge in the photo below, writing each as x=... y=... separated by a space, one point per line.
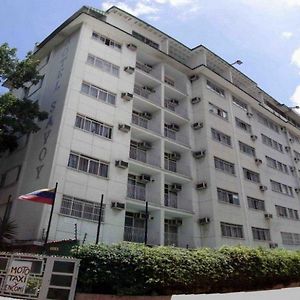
x=134 y=269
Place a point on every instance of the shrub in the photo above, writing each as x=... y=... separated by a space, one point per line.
x=135 y=269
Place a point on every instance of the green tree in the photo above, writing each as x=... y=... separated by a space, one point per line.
x=18 y=117
x=7 y=231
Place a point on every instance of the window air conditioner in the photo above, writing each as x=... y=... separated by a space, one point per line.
x=127 y=96
x=121 y=164
x=132 y=47
x=204 y=221
x=201 y=185
x=199 y=154
x=129 y=70
x=118 y=205
x=176 y=187
x=124 y=127
x=197 y=125
x=195 y=100
x=145 y=178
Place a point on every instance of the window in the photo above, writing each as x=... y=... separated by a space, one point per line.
x=295 y=138
x=213 y=87
x=98 y=93
x=34 y=88
x=242 y=125
x=138 y=119
x=224 y=166
x=287 y=213
x=271 y=143
x=239 y=103
x=171 y=197
x=169 y=162
x=169 y=81
x=93 y=126
x=88 y=165
x=250 y=175
x=145 y=40
x=289 y=238
x=228 y=197
x=106 y=41
x=79 y=208
x=221 y=137
x=272 y=163
x=256 y=203
x=261 y=234
x=232 y=230
x=247 y=149
x=218 y=111
x=103 y=65
x=281 y=188
x=136 y=152
x=267 y=122
x=135 y=188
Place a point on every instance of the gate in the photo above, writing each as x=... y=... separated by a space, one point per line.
x=28 y=276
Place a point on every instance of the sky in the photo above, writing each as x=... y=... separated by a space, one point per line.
x=264 y=34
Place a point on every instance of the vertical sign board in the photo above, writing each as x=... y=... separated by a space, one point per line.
x=17 y=276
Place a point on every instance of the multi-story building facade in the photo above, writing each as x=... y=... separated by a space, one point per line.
x=139 y=117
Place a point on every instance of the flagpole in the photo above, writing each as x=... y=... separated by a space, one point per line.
x=50 y=218
x=99 y=220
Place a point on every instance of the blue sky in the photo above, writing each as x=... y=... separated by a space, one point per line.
x=264 y=34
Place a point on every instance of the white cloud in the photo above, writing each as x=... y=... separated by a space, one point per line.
x=296 y=58
x=151 y=8
x=296 y=96
x=138 y=9
x=292 y=2
x=287 y=35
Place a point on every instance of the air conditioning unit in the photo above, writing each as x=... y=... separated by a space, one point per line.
x=201 y=185
x=176 y=222
x=194 y=78
x=121 y=164
x=174 y=127
x=258 y=161
x=283 y=129
x=292 y=169
x=175 y=155
x=287 y=148
x=195 y=100
x=148 y=89
x=129 y=70
x=144 y=178
x=173 y=102
x=118 y=205
x=132 y=47
x=253 y=137
x=176 y=187
x=249 y=114
x=199 y=154
x=145 y=145
x=268 y=216
x=124 y=127
x=273 y=245
x=291 y=140
x=297 y=190
x=296 y=159
x=204 y=221
x=197 y=125
x=263 y=188
x=127 y=96
x=146 y=115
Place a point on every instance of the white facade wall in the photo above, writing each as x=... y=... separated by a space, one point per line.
x=44 y=160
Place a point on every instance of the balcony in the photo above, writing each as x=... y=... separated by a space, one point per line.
x=147 y=92
x=139 y=121
x=143 y=156
x=171 y=239
x=176 y=108
x=173 y=135
x=134 y=234
x=176 y=167
x=136 y=192
x=171 y=200
x=144 y=67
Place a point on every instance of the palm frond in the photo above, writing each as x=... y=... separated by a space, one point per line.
x=8 y=229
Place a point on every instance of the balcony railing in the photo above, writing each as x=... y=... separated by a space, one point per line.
x=144 y=67
x=176 y=109
x=138 y=154
x=143 y=156
x=137 y=120
x=176 y=136
x=171 y=239
x=136 y=192
x=145 y=93
x=134 y=234
x=171 y=200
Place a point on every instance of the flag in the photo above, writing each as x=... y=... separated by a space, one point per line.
x=45 y=196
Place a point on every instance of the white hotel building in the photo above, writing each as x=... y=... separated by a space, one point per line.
x=137 y=116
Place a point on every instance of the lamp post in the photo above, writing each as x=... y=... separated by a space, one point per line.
x=237 y=62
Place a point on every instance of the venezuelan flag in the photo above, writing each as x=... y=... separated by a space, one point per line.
x=45 y=196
